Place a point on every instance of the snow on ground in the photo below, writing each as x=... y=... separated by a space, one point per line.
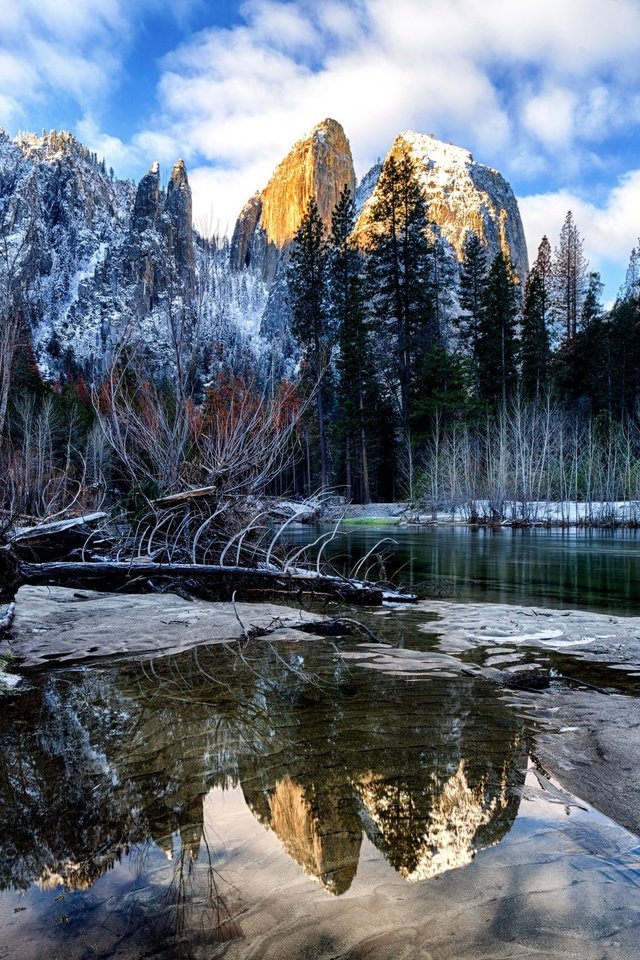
x=597 y=637
x=507 y=512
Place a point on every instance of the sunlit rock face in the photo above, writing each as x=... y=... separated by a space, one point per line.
x=320 y=166
x=321 y=832
x=462 y=196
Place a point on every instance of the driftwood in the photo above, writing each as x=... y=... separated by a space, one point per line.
x=54 y=541
x=184 y=497
x=212 y=582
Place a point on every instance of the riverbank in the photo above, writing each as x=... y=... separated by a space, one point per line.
x=59 y=626
x=508 y=513
x=587 y=726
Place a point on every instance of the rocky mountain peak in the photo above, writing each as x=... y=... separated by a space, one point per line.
x=179 y=180
x=319 y=165
x=180 y=219
x=462 y=194
x=146 y=208
x=50 y=147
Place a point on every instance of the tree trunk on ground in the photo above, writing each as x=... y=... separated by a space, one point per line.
x=211 y=582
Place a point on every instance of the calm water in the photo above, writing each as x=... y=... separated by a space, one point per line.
x=283 y=803
x=589 y=570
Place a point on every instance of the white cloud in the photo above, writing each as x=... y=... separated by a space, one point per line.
x=538 y=87
x=610 y=230
x=550 y=116
x=73 y=48
x=533 y=89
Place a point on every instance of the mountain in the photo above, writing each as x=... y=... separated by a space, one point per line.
x=320 y=166
x=92 y=260
x=462 y=195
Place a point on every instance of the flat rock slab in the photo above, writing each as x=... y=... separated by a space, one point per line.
x=590 y=636
x=60 y=625
x=594 y=750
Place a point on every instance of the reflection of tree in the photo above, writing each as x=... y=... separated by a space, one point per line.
x=93 y=763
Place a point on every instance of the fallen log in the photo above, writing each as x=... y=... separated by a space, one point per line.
x=211 y=582
x=54 y=541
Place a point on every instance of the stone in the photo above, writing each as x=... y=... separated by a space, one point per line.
x=320 y=166
x=62 y=625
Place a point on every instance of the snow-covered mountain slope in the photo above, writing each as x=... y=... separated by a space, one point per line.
x=94 y=262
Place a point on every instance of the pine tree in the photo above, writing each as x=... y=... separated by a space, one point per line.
x=400 y=277
x=310 y=322
x=583 y=364
x=445 y=392
x=535 y=352
x=569 y=277
x=630 y=289
x=473 y=280
x=354 y=367
x=497 y=339
x=624 y=361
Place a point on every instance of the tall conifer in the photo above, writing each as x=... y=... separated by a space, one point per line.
x=310 y=321
x=535 y=351
x=354 y=364
x=400 y=276
x=473 y=280
x=497 y=339
x=569 y=277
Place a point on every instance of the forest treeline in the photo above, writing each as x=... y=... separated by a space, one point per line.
x=455 y=390
x=413 y=383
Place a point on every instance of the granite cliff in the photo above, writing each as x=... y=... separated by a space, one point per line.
x=462 y=196
x=92 y=258
x=320 y=165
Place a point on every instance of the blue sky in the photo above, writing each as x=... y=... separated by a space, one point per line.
x=548 y=93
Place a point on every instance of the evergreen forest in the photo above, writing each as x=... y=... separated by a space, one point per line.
x=461 y=390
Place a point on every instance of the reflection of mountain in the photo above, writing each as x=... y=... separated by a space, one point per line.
x=421 y=848
x=319 y=837
x=93 y=763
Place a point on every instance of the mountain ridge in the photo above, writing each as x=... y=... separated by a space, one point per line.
x=96 y=258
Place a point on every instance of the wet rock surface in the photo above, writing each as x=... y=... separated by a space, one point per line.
x=589 y=739
x=61 y=625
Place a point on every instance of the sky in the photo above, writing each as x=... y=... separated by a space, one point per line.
x=546 y=92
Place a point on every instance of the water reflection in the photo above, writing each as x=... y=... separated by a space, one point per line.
x=586 y=569
x=94 y=765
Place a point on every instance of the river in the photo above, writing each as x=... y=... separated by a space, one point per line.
x=586 y=569
x=283 y=802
